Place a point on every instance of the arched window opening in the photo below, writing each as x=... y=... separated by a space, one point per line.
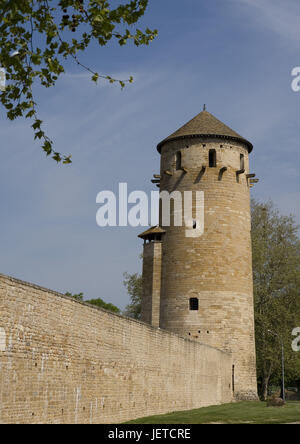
x=178 y=160
x=212 y=158
x=242 y=162
x=194 y=304
x=194 y=224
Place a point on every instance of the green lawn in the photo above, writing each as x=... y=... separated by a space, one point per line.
x=236 y=413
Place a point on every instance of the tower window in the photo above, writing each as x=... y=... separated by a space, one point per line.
x=194 y=224
x=242 y=161
x=178 y=160
x=233 y=378
x=194 y=304
x=212 y=158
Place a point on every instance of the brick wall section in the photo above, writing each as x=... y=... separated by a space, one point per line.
x=152 y=280
x=62 y=361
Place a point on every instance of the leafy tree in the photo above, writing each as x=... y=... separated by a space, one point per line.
x=38 y=36
x=78 y=297
x=134 y=286
x=276 y=272
x=97 y=302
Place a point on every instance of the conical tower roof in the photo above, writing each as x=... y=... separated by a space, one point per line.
x=153 y=230
x=205 y=125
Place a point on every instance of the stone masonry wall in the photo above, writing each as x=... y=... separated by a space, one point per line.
x=62 y=361
x=151 y=283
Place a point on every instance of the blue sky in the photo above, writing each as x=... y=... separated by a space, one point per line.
x=234 y=55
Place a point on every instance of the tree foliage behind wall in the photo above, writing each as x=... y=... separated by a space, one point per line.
x=134 y=286
x=97 y=302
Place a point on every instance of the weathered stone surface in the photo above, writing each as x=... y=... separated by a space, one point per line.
x=216 y=268
x=152 y=280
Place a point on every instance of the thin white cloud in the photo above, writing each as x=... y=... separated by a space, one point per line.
x=281 y=17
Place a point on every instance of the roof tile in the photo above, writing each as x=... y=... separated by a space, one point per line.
x=205 y=124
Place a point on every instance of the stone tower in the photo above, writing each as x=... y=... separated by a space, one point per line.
x=200 y=286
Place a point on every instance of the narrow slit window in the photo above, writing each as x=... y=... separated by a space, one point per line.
x=212 y=158
x=242 y=161
x=194 y=224
x=178 y=160
x=233 y=382
x=194 y=304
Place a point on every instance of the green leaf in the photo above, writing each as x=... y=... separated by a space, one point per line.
x=37 y=124
x=47 y=147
